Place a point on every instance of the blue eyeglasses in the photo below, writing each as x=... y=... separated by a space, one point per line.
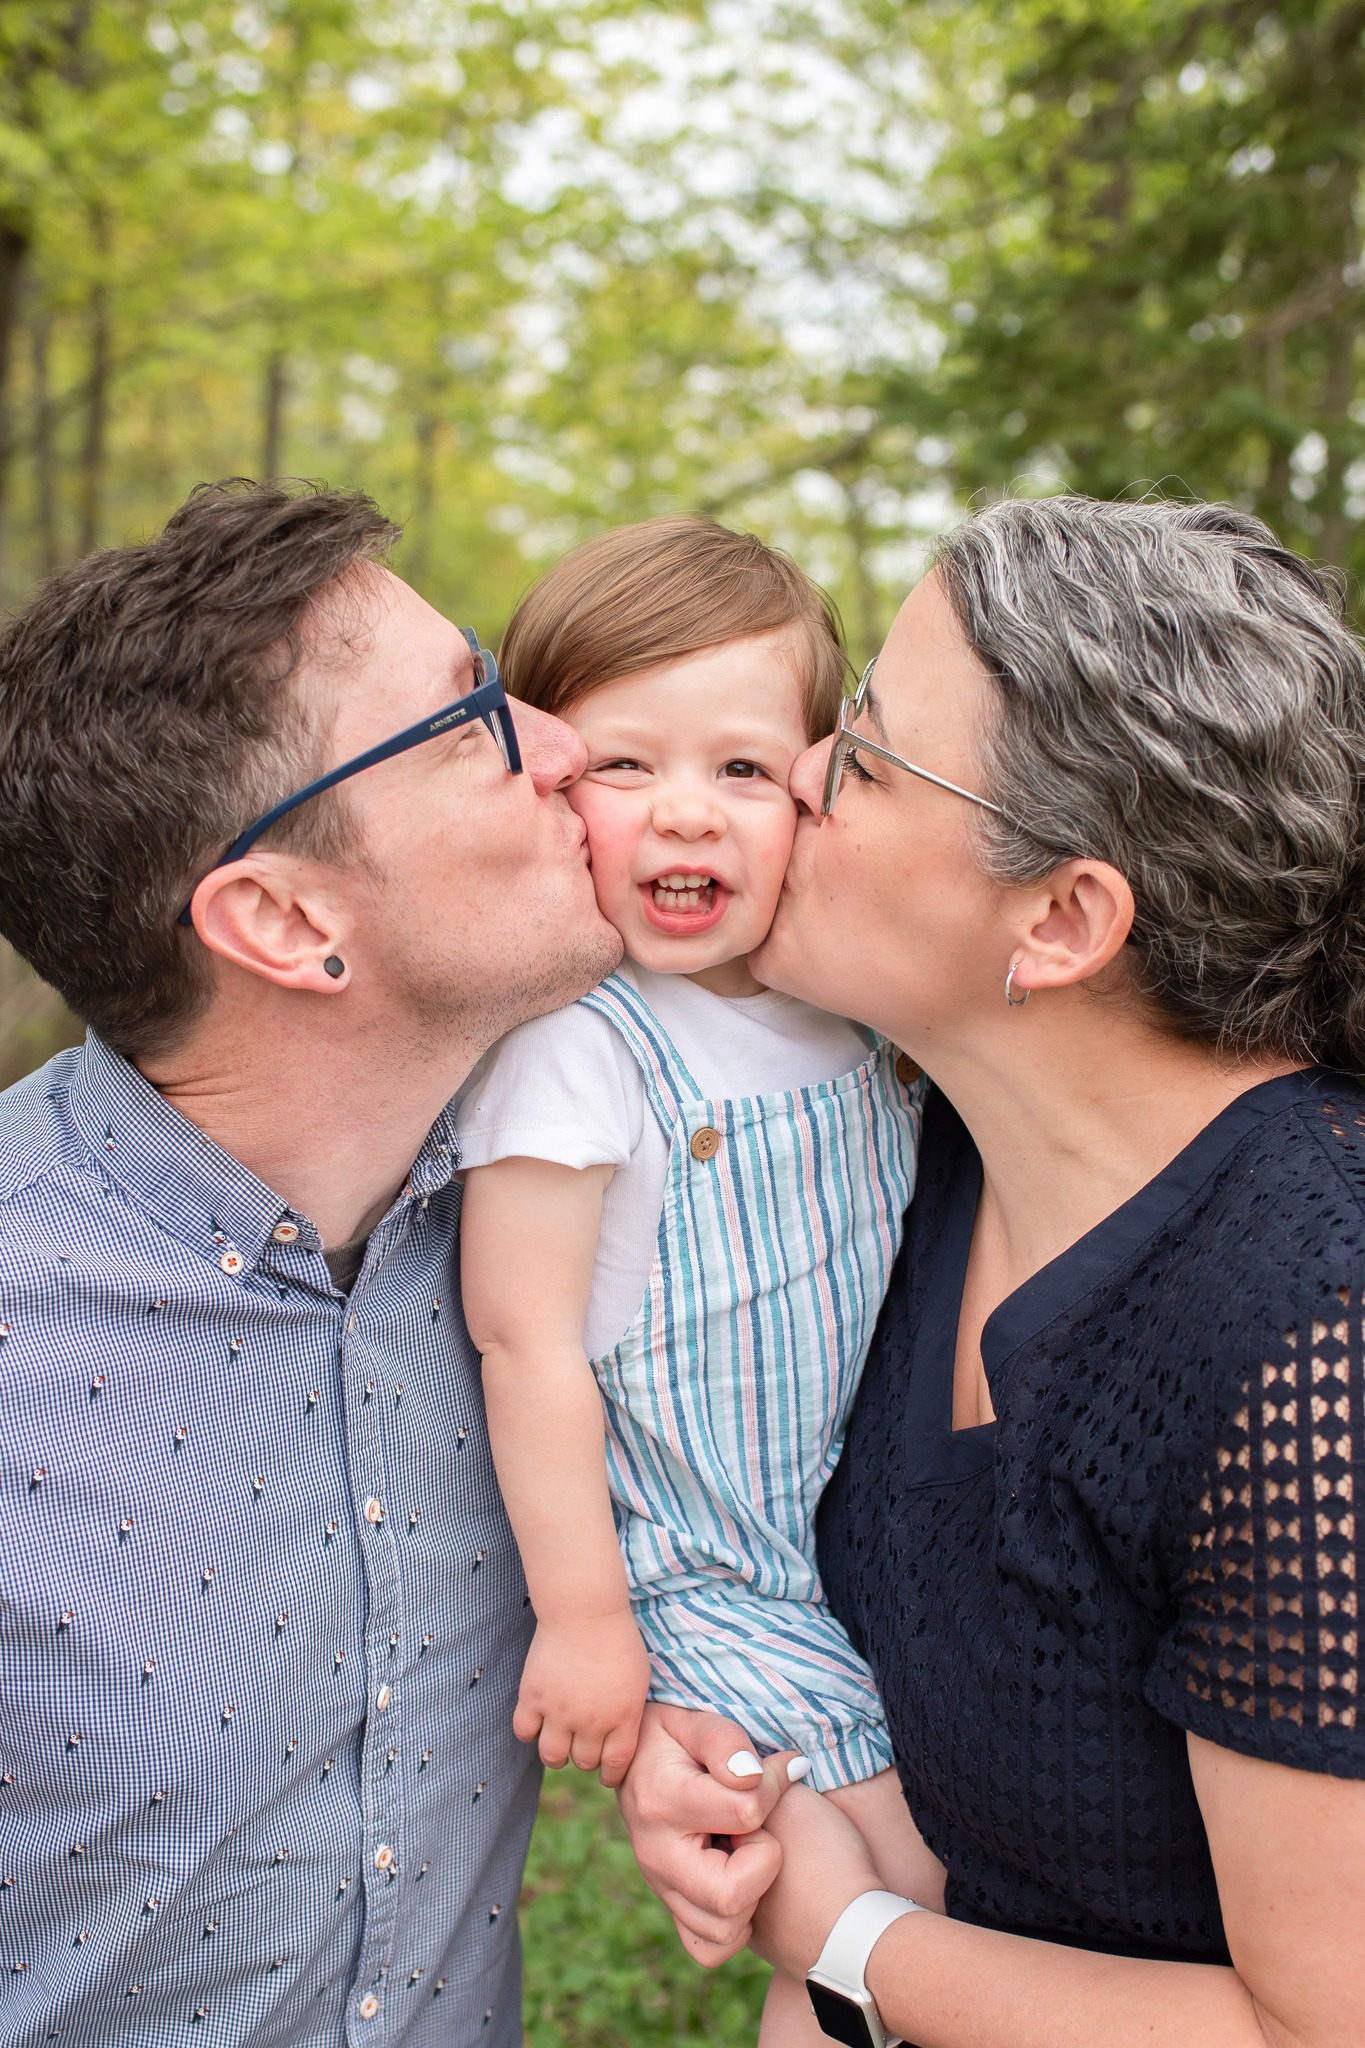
x=488 y=701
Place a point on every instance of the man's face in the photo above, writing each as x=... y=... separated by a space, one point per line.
x=475 y=910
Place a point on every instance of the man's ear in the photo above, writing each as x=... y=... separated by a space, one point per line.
x=1074 y=923
x=261 y=914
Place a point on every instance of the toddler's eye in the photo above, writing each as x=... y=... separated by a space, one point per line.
x=742 y=771
x=613 y=767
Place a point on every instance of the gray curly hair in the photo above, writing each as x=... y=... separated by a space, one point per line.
x=1179 y=697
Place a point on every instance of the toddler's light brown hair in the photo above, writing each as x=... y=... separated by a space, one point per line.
x=660 y=591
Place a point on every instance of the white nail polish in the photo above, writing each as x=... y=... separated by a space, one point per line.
x=744 y=1764
x=798 y=1768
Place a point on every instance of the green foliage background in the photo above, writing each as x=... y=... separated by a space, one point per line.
x=603 y=1967
x=831 y=269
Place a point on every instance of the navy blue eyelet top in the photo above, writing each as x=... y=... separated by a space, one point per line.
x=1158 y=1533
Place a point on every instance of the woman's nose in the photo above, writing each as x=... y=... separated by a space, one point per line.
x=807 y=779
x=551 y=752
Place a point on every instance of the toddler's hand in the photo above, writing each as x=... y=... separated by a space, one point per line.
x=582 y=1693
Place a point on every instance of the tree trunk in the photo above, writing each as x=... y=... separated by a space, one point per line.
x=1275 y=499
x=1334 y=540
x=427 y=434
x=868 y=624
x=1340 y=61
x=14 y=249
x=97 y=396
x=44 y=464
x=1339 y=345
x=272 y=437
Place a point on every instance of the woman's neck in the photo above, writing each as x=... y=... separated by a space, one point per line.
x=1073 y=1114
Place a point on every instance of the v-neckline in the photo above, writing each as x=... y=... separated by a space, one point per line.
x=945 y=1452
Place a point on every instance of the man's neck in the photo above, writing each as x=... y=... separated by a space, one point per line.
x=333 y=1128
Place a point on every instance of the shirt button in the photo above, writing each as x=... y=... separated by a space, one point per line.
x=285 y=1233
x=383 y=1856
x=374 y=1511
x=383 y=1696
x=368 y=2006
x=705 y=1142
x=232 y=1260
x=906 y=1070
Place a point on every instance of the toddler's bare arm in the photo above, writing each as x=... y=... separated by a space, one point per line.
x=528 y=1236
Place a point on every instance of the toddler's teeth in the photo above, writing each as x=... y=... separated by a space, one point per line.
x=682 y=892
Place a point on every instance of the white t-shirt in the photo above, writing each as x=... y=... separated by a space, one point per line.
x=566 y=1088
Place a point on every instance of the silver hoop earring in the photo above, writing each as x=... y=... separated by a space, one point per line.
x=1015 y=1002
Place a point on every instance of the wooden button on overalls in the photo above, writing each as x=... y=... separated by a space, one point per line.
x=705 y=1142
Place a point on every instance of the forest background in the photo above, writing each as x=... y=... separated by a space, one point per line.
x=829 y=269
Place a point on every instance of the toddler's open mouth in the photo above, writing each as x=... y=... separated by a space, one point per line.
x=684 y=893
x=679 y=903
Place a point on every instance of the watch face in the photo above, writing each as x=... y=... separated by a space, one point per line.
x=838 y=2017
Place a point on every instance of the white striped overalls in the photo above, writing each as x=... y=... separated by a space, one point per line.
x=727 y=1399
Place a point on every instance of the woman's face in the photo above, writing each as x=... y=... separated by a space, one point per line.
x=885 y=915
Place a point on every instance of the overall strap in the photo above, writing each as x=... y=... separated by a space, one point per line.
x=668 y=1084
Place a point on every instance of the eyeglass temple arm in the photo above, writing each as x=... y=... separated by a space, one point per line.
x=472 y=706
x=855 y=739
x=488 y=696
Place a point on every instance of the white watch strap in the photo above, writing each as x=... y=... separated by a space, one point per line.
x=854 y=1935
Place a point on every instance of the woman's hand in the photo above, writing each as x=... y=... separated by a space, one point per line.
x=697 y=1825
x=825 y=1866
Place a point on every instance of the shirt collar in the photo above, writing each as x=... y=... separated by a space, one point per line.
x=192 y=1187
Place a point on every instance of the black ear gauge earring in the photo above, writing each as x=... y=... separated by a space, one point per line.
x=334 y=966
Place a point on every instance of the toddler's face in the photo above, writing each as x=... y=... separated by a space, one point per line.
x=685 y=799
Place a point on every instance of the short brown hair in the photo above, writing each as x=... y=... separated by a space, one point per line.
x=145 y=719
x=660 y=591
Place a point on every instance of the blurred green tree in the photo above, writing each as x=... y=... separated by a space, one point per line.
x=1139 y=251
x=376 y=240
x=827 y=267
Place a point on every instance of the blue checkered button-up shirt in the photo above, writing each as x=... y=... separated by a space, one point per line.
x=261 y=1616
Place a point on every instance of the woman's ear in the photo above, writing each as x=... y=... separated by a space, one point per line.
x=1075 y=922
x=260 y=914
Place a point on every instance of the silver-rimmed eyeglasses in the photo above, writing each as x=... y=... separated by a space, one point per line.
x=847 y=742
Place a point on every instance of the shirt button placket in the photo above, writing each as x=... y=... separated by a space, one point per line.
x=381 y=1788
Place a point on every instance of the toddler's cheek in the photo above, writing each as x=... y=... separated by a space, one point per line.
x=608 y=900
x=608 y=863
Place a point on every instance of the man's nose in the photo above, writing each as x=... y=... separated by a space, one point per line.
x=552 y=754
x=807 y=779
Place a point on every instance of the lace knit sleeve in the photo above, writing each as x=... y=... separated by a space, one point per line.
x=1267 y=1542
